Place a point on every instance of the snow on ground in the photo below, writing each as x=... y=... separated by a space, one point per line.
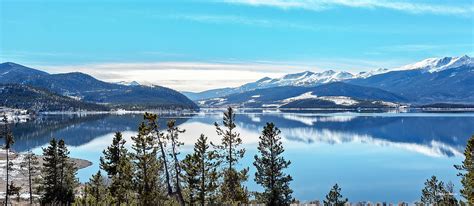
x=340 y=100
x=439 y=64
x=215 y=101
x=389 y=104
x=307 y=95
x=14 y=115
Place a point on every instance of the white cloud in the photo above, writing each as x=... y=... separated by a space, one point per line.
x=405 y=6
x=184 y=76
x=200 y=76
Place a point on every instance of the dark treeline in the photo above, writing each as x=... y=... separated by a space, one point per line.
x=153 y=172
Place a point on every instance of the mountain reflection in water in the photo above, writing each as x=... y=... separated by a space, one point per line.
x=388 y=155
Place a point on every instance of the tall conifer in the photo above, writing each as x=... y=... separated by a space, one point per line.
x=466 y=171
x=147 y=167
x=229 y=152
x=58 y=175
x=270 y=165
x=117 y=163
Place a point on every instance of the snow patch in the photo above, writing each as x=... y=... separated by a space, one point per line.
x=340 y=100
x=307 y=95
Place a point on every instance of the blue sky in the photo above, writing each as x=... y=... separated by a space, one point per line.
x=197 y=45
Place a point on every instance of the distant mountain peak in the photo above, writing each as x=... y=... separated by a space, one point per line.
x=440 y=64
x=13 y=69
x=297 y=75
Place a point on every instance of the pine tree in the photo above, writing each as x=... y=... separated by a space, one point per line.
x=206 y=165
x=9 y=140
x=68 y=171
x=30 y=168
x=190 y=178
x=58 y=175
x=466 y=171
x=200 y=174
x=229 y=154
x=117 y=163
x=270 y=165
x=334 y=197
x=171 y=168
x=97 y=189
x=147 y=167
x=433 y=192
x=172 y=137
x=50 y=175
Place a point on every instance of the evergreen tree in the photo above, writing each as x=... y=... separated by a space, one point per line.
x=171 y=169
x=50 y=175
x=58 y=175
x=229 y=154
x=270 y=165
x=147 y=167
x=68 y=171
x=190 y=177
x=206 y=166
x=172 y=137
x=97 y=189
x=117 y=163
x=200 y=174
x=466 y=171
x=433 y=192
x=334 y=197
x=9 y=140
x=30 y=168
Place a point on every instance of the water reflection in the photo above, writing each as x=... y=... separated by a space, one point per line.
x=377 y=157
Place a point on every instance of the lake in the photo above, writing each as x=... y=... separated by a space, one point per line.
x=372 y=156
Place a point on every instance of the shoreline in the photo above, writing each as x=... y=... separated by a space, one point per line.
x=20 y=179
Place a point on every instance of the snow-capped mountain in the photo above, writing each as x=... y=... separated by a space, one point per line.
x=440 y=64
x=379 y=78
x=331 y=95
x=303 y=79
x=306 y=78
x=434 y=80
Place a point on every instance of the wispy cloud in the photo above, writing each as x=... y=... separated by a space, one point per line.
x=405 y=6
x=258 y=22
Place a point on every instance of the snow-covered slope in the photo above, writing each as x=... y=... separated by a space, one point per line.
x=440 y=64
x=311 y=79
x=371 y=73
x=306 y=78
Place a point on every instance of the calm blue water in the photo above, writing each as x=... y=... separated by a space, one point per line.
x=373 y=156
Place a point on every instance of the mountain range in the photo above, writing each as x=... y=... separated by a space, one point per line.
x=86 y=88
x=434 y=80
x=431 y=81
